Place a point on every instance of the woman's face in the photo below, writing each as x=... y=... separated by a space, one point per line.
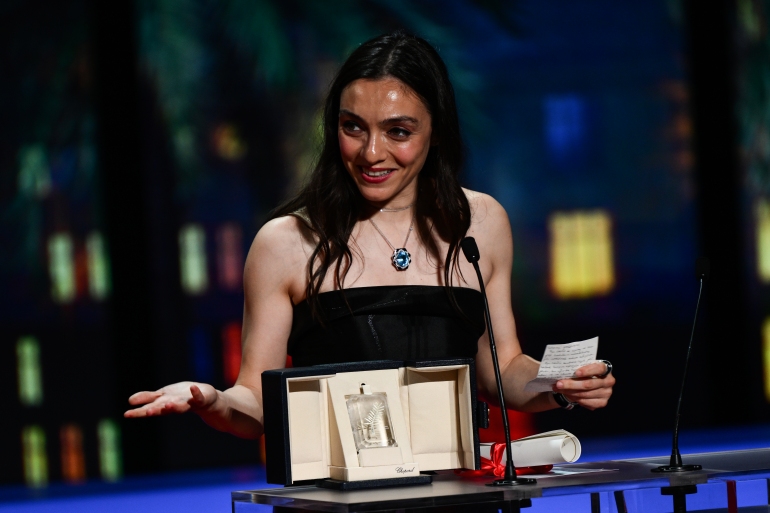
x=385 y=135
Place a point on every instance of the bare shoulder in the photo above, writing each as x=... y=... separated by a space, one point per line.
x=279 y=253
x=492 y=231
x=282 y=234
x=487 y=215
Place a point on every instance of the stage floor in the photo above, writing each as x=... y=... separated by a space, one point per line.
x=209 y=491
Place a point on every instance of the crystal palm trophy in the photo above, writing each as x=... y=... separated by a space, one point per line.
x=370 y=419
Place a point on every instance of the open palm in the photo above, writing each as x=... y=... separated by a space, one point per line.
x=177 y=398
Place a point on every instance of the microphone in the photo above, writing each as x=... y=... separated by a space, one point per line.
x=675 y=463
x=471 y=252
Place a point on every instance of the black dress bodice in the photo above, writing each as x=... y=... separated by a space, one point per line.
x=402 y=322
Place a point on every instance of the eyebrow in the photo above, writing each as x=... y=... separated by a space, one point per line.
x=396 y=119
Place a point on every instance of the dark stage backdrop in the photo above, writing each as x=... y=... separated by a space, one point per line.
x=56 y=361
x=144 y=145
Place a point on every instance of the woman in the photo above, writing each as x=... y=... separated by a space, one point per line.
x=328 y=278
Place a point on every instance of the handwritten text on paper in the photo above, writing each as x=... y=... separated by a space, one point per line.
x=560 y=361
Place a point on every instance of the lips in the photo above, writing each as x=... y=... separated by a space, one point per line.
x=375 y=175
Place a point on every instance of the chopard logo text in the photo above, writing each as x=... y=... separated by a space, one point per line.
x=402 y=470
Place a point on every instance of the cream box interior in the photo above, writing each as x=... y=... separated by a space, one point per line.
x=431 y=419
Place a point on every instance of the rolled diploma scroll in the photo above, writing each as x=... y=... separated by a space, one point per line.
x=550 y=448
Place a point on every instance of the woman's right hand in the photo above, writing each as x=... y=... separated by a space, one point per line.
x=176 y=398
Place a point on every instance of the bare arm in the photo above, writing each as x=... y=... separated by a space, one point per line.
x=269 y=275
x=493 y=234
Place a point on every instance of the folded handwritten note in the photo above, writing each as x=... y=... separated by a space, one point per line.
x=560 y=361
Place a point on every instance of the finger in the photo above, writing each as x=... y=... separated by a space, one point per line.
x=590 y=399
x=566 y=385
x=197 y=399
x=601 y=393
x=592 y=404
x=144 y=397
x=592 y=369
x=148 y=410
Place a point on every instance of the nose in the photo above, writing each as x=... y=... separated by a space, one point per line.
x=373 y=150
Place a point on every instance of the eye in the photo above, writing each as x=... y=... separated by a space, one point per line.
x=399 y=133
x=350 y=126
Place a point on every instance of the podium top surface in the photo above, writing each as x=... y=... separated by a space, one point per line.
x=449 y=489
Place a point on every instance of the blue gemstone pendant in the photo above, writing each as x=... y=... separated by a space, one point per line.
x=401 y=259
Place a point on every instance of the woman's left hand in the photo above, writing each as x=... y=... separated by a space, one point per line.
x=588 y=389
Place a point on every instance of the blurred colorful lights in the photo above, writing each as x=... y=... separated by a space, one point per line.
x=34 y=455
x=29 y=371
x=192 y=259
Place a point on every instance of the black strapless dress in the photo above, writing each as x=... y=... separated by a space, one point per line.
x=402 y=322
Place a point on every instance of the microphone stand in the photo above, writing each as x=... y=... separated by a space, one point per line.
x=675 y=463
x=471 y=252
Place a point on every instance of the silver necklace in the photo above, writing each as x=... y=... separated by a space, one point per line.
x=397 y=209
x=401 y=257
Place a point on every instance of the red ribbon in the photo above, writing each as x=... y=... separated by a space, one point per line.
x=496 y=467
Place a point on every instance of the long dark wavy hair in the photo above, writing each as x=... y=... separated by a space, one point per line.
x=330 y=201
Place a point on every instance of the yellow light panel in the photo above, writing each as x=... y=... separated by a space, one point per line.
x=98 y=267
x=29 y=371
x=110 y=454
x=762 y=213
x=766 y=356
x=35 y=459
x=61 y=267
x=192 y=259
x=581 y=250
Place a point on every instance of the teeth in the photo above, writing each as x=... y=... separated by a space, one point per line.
x=376 y=174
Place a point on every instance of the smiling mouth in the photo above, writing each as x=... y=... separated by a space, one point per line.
x=376 y=174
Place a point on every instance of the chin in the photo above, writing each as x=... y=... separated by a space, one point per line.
x=374 y=198
x=372 y=192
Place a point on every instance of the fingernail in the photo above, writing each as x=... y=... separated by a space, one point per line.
x=578 y=373
x=559 y=384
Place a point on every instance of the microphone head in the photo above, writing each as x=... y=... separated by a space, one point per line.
x=470 y=249
x=702 y=268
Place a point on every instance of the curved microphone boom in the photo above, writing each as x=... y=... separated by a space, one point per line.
x=471 y=252
x=675 y=463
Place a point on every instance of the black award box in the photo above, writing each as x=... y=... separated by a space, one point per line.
x=370 y=421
